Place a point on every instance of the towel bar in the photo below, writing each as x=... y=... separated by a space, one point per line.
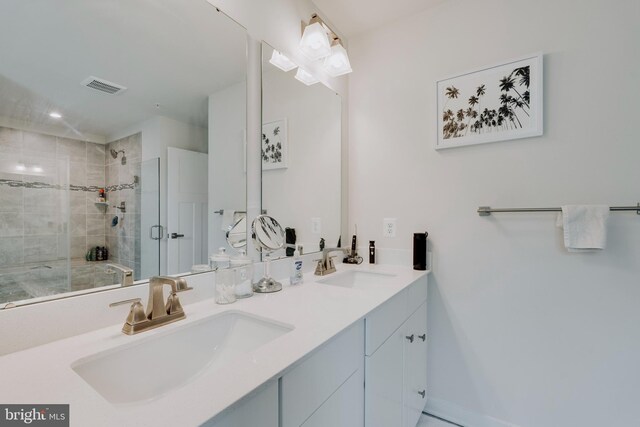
x=487 y=210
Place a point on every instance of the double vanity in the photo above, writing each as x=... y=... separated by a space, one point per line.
x=346 y=349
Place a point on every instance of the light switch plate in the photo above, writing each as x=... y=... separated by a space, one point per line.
x=316 y=225
x=389 y=227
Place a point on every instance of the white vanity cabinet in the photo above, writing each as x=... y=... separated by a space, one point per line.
x=258 y=409
x=396 y=359
x=327 y=388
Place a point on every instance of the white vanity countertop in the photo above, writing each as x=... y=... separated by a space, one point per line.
x=43 y=374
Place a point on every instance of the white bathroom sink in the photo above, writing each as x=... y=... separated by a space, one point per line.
x=149 y=368
x=356 y=278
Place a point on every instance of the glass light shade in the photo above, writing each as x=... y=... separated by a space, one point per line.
x=305 y=77
x=281 y=61
x=315 y=42
x=337 y=63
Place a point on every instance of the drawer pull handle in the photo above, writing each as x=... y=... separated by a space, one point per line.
x=410 y=337
x=423 y=393
x=423 y=337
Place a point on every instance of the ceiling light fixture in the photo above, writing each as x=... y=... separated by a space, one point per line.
x=55 y=115
x=315 y=40
x=337 y=64
x=36 y=169
x=281 y=61
x=315 y=44
x=305 y=77
x=21 y=167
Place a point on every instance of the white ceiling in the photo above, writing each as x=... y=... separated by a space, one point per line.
x=352 y=17
x=168 y=52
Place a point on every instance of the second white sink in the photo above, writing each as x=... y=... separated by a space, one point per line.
x=151 y=367
x=357 y=278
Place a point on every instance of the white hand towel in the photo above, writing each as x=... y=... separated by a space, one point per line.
x=585 y=227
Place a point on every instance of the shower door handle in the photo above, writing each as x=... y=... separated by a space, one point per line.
x=176 y=235
x=160 y=232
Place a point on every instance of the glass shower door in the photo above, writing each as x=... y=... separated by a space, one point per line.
x=34 y=227
x=152 y=232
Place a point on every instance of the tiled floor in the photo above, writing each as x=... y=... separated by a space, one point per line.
x=427 y=421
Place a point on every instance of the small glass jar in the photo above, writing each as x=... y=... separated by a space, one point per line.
x=225 y=286
x=243 y=266
x=219 y=260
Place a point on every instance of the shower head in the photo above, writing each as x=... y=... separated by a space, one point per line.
x=114 y=154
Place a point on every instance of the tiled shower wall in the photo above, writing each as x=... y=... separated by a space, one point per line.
x=35 y=222
x=33 y=228
x=123 y=185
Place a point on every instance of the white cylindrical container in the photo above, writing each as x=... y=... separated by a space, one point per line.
x=243 y=266
x=219 y=260
x=225 y=286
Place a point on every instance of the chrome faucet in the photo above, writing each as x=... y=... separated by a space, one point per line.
x=125 y=272
x=325 y=265
x=158 y=312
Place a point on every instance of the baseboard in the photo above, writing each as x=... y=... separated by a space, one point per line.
x=459 y=415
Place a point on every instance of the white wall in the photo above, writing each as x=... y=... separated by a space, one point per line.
x=520 y=330
x=310 y=186
x=227 y=127
x=159 y=133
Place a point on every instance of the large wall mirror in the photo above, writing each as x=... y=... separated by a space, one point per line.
x=301 y=157
x=108 y=143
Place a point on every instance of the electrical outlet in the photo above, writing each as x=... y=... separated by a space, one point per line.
x=389 y=227
x=316 y=225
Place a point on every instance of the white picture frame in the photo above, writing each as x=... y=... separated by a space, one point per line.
x=274 y=145
x=496 y=103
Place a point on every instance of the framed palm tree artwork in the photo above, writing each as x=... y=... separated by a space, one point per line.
x=497 y=103
x=274 y=145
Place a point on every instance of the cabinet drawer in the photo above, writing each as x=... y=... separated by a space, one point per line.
x=385 y=319
x=313 y=381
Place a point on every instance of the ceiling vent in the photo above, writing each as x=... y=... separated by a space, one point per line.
x=103 y=85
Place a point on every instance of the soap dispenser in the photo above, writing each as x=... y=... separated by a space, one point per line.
x=296 y=276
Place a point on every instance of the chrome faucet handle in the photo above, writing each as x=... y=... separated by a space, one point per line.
x=126 y=301
x=319 y=267
x=181 y=285
x=136 y=312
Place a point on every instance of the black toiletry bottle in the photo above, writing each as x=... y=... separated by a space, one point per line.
x=290 y=240
x=372 y=252
x=99 y=253
x=420 y=251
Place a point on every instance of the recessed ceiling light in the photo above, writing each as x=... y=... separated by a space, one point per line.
x=21 y=167
x=37 y=169
x=55 y=115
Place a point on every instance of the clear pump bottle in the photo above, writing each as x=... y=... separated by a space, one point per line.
x=296 y=276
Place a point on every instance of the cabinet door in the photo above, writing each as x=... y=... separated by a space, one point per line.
x=309 y=384
x=415 y=366
x=345 y=407
x=259 y=409
x=383 y=383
